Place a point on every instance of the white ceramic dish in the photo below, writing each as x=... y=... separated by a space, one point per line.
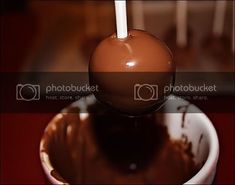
x=197 y=128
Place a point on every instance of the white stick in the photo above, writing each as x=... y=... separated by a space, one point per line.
x=181 y=23
x=121 y=18
x=218 y=26
x=138 y=15
x=233 y=30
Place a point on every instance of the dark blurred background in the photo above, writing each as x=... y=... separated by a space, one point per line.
x=61 y=35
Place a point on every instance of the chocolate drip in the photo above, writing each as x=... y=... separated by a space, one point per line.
x=185 y=110
x=57 y=176
x=199 y=143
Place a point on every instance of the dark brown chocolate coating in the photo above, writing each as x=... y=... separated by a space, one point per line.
x=131 y=73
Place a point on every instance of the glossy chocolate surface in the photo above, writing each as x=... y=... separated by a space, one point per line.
x=121 y=67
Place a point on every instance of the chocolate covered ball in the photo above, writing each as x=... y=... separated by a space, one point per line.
x=133 y=75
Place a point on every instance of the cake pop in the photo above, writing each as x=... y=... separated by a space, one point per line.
x=131 y=69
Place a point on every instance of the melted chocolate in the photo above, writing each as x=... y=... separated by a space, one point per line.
x=185 y=110
x=199 y=143
x=57 y=176
x=107 y=148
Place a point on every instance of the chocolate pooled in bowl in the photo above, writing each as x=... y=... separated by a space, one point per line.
x=107 y=148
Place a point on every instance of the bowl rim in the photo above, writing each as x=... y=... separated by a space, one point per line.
x=44 y=157
x=198 y=178
x=210 y=165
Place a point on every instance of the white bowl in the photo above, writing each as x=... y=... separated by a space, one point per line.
x=196 y=125
x=197 y=128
